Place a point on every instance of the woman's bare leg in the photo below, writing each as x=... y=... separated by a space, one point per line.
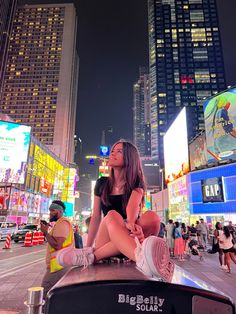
x=114 y=229
x=120 y=240
x=221 y=257
x=227 y=261
x=232 y=256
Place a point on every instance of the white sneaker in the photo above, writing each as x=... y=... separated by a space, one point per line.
x=153 y=258
x=224 y=267
x=75 y=257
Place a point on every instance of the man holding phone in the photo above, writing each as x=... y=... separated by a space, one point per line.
x=59 y=237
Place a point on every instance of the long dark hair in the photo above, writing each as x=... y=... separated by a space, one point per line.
x=217 y=226
x=133 y=173
x=226 y=231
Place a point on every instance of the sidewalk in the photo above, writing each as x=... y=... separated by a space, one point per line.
x=209 y=271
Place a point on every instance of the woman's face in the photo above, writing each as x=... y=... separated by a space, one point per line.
x=116 y=158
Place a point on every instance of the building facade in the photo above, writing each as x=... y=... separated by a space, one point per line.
x=41 y=78
x=141 y=113
x=185 y=63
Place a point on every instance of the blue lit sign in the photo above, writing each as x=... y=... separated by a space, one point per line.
x=104 y=151
x=214 y=201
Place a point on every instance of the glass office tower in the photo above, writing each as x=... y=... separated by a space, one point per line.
x=185 y=63
x=141 y=113
x=7 y=11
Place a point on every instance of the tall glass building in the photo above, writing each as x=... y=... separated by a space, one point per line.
x=141 y=113
x=7 y=12
x=41 y=78
x=185 y=63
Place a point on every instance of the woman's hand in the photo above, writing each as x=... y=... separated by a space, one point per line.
x=136 y=231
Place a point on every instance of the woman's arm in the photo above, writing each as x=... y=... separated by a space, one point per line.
x=95 y=221
x=133 y=206
x=133 y=211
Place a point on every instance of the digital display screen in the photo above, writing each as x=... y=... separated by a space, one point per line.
x=220 y=125
x=14 y=146
x=198 y=152
x=176 y=148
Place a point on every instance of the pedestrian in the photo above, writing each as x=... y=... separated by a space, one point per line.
x=192 y=231
x=161 y=233
x=78 y=238
x=59 y=237
x=204 y=232
x=198 y=228
x=225 y=240
x=124 y=229
x=232 y=231
x=185 y=234
x=216 y=247
x=169 y=236
x=179 y=243
x=85 y=234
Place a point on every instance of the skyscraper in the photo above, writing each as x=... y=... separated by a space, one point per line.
x=141 y=113
x=40 y=82
x=7 y=12
x=185 y=63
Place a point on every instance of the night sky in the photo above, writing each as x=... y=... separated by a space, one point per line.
x=112 y=43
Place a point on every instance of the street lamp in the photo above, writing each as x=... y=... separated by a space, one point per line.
x=162 y=178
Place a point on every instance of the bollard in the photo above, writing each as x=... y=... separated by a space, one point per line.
x=34 y=300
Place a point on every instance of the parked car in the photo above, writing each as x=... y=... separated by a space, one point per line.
x=7 y=228
x=20 y=234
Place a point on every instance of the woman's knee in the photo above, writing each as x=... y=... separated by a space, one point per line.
x=113 y=216
x=150 y=223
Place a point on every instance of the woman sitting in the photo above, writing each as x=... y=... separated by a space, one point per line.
x=123 y=229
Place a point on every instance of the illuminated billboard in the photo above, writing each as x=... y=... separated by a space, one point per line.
x=14 y=145
x=220 y=125
x=176 y=148
x=104 y=151
x=198 y=152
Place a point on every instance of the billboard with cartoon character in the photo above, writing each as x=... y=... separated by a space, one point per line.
x=220 y=125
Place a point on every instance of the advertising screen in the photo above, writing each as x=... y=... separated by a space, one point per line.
x=198 y=152
x=220 y=125
x=14 y=145
x=176 y=148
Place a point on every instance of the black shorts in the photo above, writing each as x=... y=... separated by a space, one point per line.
x=232 y=250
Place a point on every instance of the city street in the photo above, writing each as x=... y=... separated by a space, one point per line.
x=20 y=268
x=23 y=267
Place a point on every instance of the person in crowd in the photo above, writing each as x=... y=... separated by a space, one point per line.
x=78 y=238
x=216 y=246
x=120 y=197
x=85 y=234
x=204 y=232
x=232 y=231
x=192 y=230
x=60 y=236
x=161 y=233
x=169 y=236
x=185 y=234
x=179 y=243
x=198 y=232
x=225 y=240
